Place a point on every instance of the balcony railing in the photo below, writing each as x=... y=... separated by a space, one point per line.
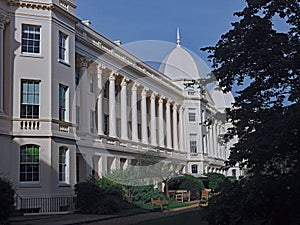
x=30 y=124
x=45 y=204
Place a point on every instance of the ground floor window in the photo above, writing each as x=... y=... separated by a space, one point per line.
x=63 y=164
x=30 y=163
x=194 y=168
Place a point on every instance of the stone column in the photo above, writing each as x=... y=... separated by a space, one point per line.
x=161 y=135
x=181 y=128
x=112 y=105
x=153 y=120
x=134 y=122
x=175 y=127
x=144 y=116
x=168 y=125
x=124 y=119
x=100 y=100
x=83 y=95
x=3 y=21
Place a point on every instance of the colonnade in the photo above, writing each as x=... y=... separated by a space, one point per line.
x=170 y=126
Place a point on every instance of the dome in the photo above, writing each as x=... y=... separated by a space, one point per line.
x=180 y=64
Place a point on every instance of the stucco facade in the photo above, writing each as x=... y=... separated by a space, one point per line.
x=74 y=103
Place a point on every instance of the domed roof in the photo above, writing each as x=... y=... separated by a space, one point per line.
x=180 y=64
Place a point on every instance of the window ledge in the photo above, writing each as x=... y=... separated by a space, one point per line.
x=64 y=185
x=29 y=185
x=32 y=55
x=64 y=62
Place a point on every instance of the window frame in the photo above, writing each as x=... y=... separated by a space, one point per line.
x=193 y=143
x=33 y=94
x=192 y=114
x=106 y=124
x=194 y=171
x=31 y=163
x=63 y=47
x=65 y=165
x=63 y=106
x=92 y=121
x=33 y=39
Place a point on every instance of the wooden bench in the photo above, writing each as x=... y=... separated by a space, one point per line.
x=159 y=204
x=180 y=195
x=204 y=197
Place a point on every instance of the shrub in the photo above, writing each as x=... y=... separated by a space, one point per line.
x=144 y=193
x=187 y=182
x=6 y=199
x=215 y=180
x=92 y=199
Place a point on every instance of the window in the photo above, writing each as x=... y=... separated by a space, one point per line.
x=202 y=116
x=63 y=102
x=117 y=92
x=192 y=115
x=139 y=131
x=118 y=126
x=233 y=172
x=63 y=164
x=29 y=163
x=77 y=116
x=129 y=130
x=63 y=47
x=138 y=104
x=204 y=144
x=193 y=143
x=30 y=99
x=106 y=89
x=31 y=37
x=92 y=121
x=106 y=124
x=77 y=76
x=194 y=168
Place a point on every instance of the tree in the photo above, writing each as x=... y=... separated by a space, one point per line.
x=265 y=63
x=148 y=169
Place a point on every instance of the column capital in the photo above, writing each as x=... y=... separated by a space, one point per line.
x=144 y=91
x=169 y=102
x=135 y=86
x=100 y=68
x=124 y=81
x=161 y=99
x=181 y=109
x=3 y=20
x=84 y=61
x=153 y=95
x=175 y=106
x=112 y=75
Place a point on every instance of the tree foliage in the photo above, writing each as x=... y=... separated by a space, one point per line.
x=265 y=63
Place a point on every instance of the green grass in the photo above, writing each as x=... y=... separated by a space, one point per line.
x=173 y=205
x=191 y=218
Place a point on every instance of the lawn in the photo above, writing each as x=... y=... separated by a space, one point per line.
x=191 y=218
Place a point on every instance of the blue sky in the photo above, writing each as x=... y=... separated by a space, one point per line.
x=201 y=22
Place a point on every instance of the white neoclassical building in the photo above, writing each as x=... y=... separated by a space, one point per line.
x=74 y=103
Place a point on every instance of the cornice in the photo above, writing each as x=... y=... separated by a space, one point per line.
x=32 y=5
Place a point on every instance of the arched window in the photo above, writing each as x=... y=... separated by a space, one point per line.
x=194 y=168
x=30 y=163
x=63 y=164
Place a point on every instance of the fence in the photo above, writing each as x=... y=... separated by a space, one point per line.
x=45 y=204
